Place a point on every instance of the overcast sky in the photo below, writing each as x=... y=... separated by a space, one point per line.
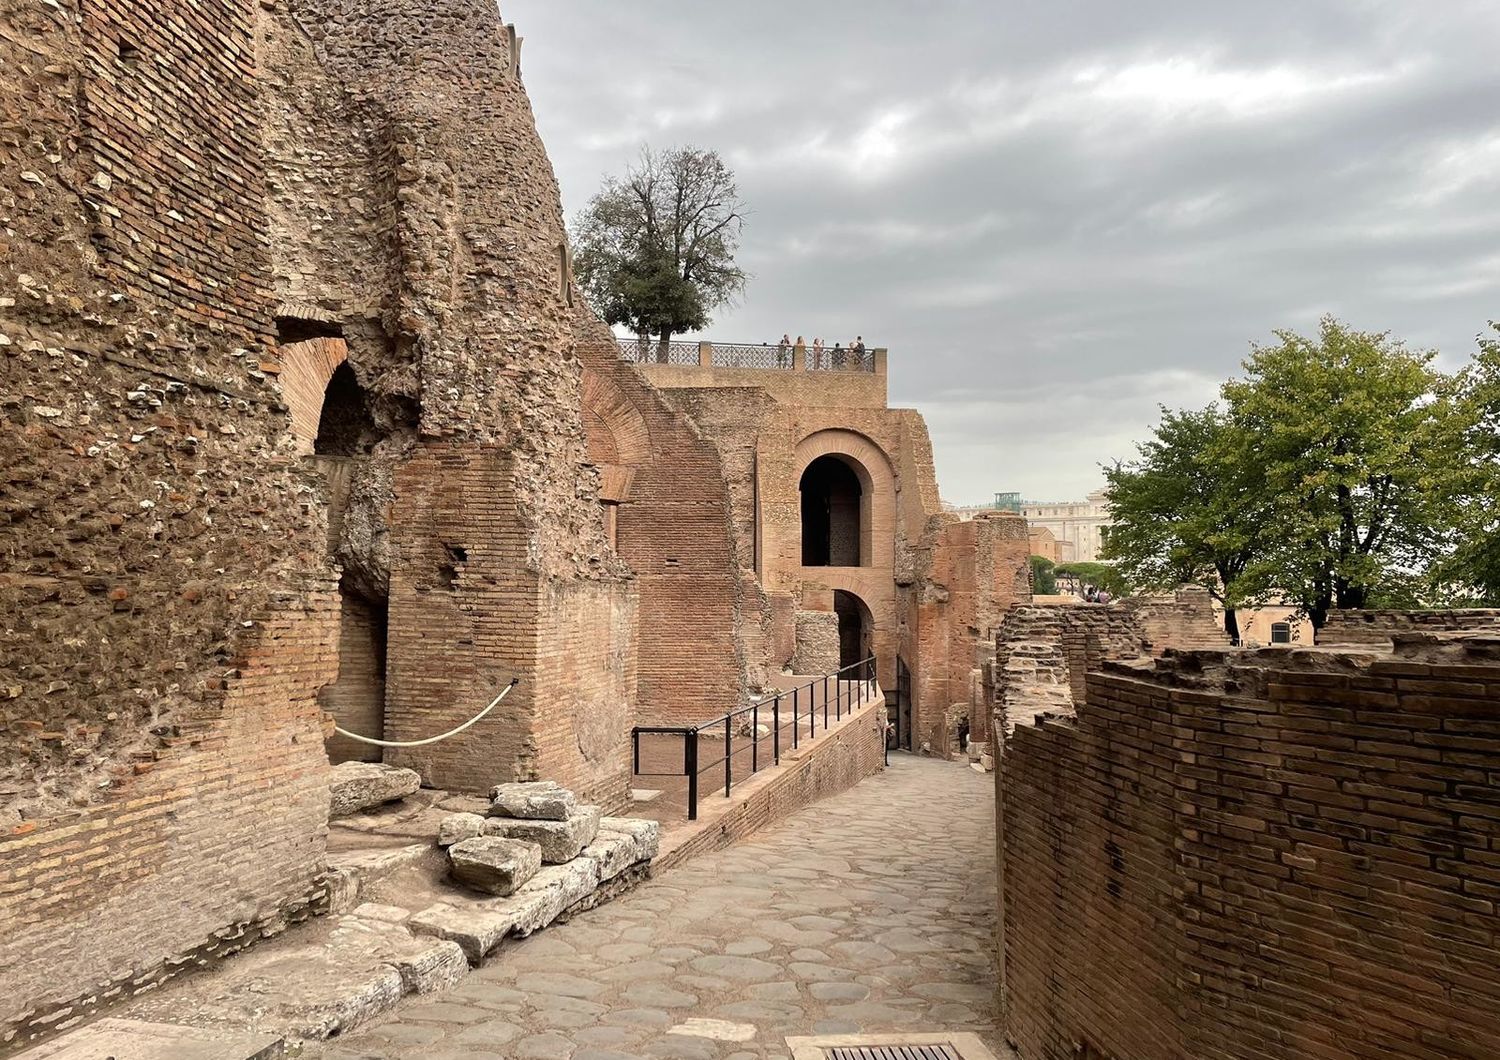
x=1058 y=215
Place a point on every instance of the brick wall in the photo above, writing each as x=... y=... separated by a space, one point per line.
x=1266 y=854
x=673 y=528
x=161 y=774
x=1376 y=628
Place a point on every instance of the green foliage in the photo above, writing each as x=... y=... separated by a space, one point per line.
x=1184 y=512
x=1472 y=575
x=1355 y=446
x=655 y=250
x=1100 y=575
x=1342 y=470
x=1043 y=580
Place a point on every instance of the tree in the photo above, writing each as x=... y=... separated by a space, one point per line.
x=1354 y=444
x=1099 y=575
x=1472 y=575
x=1184 y=511
x=1043 y=580
x=655 y=250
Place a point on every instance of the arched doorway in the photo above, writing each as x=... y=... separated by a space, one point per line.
x=346 y=432
x=856 y=629
x=833 y=502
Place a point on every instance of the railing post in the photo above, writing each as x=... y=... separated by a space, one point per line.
x=754 y=736
x=825 y=697
x=635 y=740
x=795 y=692
x=799 y=358
x=705 y=355
x=728 y=732
x=690 y=763
x=776 y=731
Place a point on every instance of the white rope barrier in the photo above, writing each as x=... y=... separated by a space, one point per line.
x=432 y=739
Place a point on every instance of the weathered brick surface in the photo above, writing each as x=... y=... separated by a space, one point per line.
x=1376 y=628
x=671 y=510
x=1267 y=854
x=178 y=187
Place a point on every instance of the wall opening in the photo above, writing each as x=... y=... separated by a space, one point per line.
x=346 y=433
x=832 y=511
x=856 y=628
x=345 y=426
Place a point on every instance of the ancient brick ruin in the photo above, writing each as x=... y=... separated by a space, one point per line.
x=1274 y=853
x=304 y=419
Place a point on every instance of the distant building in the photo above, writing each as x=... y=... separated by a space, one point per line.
x=1077 y=523
x=1045 y=543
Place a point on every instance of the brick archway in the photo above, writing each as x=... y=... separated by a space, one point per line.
x=619 y=441
x=306 y=368
x=878 y=487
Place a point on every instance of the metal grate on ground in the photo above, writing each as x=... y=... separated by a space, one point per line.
x=893 y=1052
x=953 y=1046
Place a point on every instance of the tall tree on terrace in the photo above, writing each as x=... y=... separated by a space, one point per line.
x=655 y=250
x=1185 y=511
x=1354 y=440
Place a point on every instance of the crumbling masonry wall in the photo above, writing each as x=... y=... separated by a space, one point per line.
x=169 y=612
x=1376 y=629
x=192 y=203
x=1277 y=854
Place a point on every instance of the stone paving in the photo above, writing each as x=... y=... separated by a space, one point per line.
x=869 y=911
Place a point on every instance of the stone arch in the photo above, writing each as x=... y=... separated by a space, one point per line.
x=856 y=627
x=877 y=480
x=619 y=441
x=306 y=368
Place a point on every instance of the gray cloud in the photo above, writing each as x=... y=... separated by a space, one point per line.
x=1059 y=215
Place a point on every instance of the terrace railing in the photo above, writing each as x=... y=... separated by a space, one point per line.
x=765 y=356
x=651 y=352
x=792 y=716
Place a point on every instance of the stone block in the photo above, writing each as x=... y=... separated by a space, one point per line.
x=494 y=864
x=356 y=786
x=541 y=800
x=612 y=852
x=457 y=827
x=552 y=890
x=646 y=835
x=560 y=840
x=477 y=927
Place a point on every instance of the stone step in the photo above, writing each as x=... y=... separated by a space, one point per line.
x=125 y=1039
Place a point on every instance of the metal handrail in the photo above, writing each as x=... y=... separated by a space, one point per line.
x=843 y=701
x=753 y=355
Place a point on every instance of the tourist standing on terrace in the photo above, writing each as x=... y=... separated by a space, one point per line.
x=857 y=353
x=783 y=350
x=817 y=353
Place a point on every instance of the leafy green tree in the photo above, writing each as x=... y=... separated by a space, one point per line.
x=1100 y=575
x=1472 y=575
x=655 y=250
x=1185 y=512
x=1355 y=447
x=1043 y=579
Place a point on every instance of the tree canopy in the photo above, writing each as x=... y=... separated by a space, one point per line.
x=1043 y=580
x=655 y=250
x=1099 y=575
x=1184 y=511
x=1336 y=473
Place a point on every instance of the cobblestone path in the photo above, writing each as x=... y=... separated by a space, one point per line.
x=868 y=911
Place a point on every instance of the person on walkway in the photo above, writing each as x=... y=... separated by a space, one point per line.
x=783 y=351
x=857 y=353
x=817 y=353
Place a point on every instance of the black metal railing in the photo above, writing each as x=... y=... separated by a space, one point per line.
x=652 y=352
x=761 y=355
x=841 y=359
x=789 y=713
